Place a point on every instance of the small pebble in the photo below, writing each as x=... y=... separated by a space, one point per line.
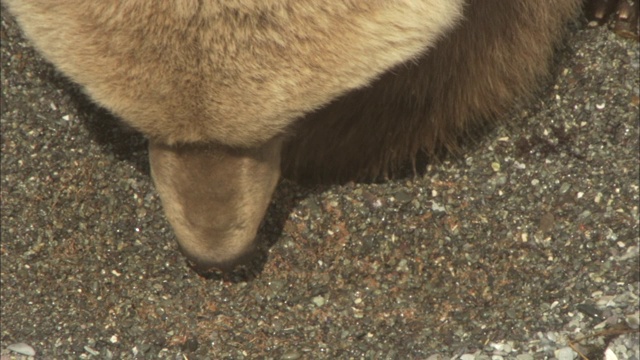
x=565 y=353
x=291 y=355
x=633 y=320
x=22 y=348
x=318 y=301
x=610 y=355
x=91 y=350
x=524 y=357
x=590 y=310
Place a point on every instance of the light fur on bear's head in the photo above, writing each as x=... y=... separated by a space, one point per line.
x=218 y=85
x=236 y=73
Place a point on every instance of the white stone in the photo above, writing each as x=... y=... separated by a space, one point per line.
x=610 y=355
x=566 y=353
x=22 y=348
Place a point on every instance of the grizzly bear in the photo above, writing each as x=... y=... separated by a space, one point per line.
x=232 y=92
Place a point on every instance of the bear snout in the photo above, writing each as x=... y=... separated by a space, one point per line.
x=215 y=197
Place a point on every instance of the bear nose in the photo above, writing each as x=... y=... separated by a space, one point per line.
x=215 y=198
x=213 y=264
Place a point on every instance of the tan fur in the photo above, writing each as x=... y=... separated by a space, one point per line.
x=217 y=194
x=218 y=85
x=237 y=72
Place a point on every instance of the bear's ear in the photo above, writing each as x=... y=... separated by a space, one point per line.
x=215 y=197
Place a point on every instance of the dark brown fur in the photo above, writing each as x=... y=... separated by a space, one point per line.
x=492 y=59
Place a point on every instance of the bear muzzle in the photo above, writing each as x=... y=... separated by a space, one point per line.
x=215 y=197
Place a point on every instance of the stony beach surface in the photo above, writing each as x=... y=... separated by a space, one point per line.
x=524 y=248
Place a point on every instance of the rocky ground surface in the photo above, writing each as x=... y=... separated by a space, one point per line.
x=526 y=248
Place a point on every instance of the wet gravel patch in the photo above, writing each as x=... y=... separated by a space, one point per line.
x=526 y=248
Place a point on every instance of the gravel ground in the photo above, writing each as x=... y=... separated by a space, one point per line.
x=527 y=248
